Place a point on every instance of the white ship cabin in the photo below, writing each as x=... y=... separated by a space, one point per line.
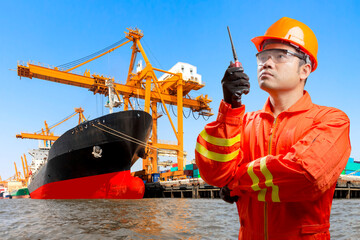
x=39 y=158
x=188 y=71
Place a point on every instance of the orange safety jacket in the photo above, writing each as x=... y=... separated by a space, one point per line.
x=283 y=169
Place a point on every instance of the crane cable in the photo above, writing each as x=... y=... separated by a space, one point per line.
x=57 y=122
x=81 y=60
x=162 y=109
x=195 y=117
x=190 y=110
x=172 y=108
x=203 y=116
x=151 y=53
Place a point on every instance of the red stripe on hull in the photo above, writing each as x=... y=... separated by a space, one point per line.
x=118 y=185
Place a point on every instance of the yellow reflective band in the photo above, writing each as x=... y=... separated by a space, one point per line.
x=216 y=156
x=223 y=142
x=261 y=195
x=269 y=180
x=254 y=178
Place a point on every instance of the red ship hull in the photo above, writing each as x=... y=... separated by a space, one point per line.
x=118 y=185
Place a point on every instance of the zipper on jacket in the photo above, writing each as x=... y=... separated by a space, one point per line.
x=271 y=136
x=265 y=203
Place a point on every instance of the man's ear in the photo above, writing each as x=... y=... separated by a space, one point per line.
x=305 y=71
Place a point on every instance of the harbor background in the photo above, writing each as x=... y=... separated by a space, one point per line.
x=143 y=219
x=188 y=31
x=58 y=32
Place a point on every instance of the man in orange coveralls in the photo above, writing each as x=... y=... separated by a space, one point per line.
x=280 y=164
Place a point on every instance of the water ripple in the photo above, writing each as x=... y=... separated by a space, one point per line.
x=142 y=219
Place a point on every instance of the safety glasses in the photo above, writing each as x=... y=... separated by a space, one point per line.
x=278 y=56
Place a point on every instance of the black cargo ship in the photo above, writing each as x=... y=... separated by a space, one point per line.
x=93 y=159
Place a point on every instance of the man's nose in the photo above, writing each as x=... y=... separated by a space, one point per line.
x=269 y=63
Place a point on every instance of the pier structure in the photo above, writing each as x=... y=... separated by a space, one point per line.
x=347 y=187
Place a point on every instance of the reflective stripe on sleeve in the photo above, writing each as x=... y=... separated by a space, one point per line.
x=254 y=178
x=216 y=156
x=269 y=181
x=223 y=142
x=255 y=181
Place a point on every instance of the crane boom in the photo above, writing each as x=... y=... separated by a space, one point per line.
x=37 y=136
x=47 y=135
x=97 y=84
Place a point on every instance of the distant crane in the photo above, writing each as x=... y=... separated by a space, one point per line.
x=46 y=135
x=25 y=168
x=17 y=176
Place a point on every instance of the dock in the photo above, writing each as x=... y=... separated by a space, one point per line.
x=347 y=187
x=188 y=188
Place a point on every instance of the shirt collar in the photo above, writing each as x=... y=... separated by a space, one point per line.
x=303 y=104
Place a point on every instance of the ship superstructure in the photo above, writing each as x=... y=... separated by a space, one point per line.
x=39 y=158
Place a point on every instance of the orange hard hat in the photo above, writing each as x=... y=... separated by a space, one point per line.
x=294 y=32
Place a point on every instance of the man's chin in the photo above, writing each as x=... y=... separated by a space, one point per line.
x=265 y=86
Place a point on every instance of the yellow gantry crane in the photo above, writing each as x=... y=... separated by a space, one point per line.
x=144 y=84
x=25 y=168
x=18 y=177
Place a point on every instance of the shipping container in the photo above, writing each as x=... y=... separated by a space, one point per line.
x=189 y=167
x=196 y=173
x=155 y=177
x=189 y=172
x=173 y=169
x=352 y=165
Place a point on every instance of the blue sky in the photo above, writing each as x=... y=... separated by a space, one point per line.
x=57 y=32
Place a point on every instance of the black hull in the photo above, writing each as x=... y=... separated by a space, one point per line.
x=71 y=156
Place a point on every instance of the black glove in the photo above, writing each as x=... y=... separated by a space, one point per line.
x=235 y=83
x=225 y=195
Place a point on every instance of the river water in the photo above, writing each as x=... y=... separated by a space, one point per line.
x=158 y=218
